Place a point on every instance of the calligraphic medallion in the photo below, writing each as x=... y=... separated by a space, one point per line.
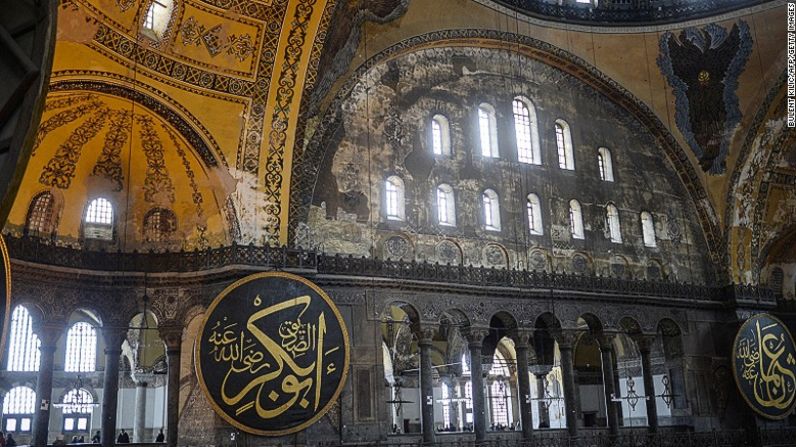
x=272 y=354
x=764 y=365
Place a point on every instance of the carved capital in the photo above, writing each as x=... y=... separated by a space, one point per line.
x=114 y=336
x=49 y=332
x=644 y=343
x=606 y=341
x=171 y=334
x=540 y=370
x=475 y=336
x=425 y=333
x=565 y=338
x=523 y=339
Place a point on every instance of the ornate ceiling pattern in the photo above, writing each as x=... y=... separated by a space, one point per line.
x=93 y=143
x=763 y=193
x=251 y=60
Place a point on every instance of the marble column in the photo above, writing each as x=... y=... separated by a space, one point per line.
x=172 y=337
x=566 y=340
x=645 y=348
x=521 y=343
x=540 y=372
x=425 y=338
x=475 y=340
x=140 y=410
x=113 y=336
x=609 y=382
x=48 y=334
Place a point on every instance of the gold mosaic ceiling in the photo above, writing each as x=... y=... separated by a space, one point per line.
x=118 y=113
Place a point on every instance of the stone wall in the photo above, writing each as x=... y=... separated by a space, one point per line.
x=385 y=130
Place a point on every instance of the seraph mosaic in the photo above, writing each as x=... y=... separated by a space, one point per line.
x=702 y=66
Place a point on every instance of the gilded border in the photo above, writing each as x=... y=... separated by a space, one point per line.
x=7 y=316
x=735 y=370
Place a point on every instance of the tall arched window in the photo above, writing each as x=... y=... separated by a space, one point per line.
x=81 y=348
x=535 y=215
x=648 y=229
x=499 y=392
x=487 y=128
x=446 y=207
x=440 y=135
x=77 y=410
x=18 y=408
x=605 y=164
x=394 y=198
x=575 y=219
x=566 y=157
x=23 y=344
x=159 y=225
x=99 y=219
x=491 y=210
x=157 y=18
x=612 y=223
x=526 y=130
x=41 y=215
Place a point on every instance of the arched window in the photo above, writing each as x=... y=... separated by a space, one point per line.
x=612 y=223
x=99 y=220
x=648 y=229
x=526 y=130
x=534 y=215
x=41 y=215
x=18 y=408
x=77 y=410
x=440 y=135
x=159 y=225
x=394 y=198
x=23 y=344
x=566 y=158
x=605 y=164
x=499 y=392
x=491 y=210
x=81 y=348
x=446 y=208
x=157 y=18
x=575 y=220
x=487 y=128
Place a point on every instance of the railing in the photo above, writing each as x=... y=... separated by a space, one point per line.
x=628 y=12
x=39 y=251
x=720 y=438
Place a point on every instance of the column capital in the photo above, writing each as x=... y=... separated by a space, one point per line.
x=523 y=339
x=565 y=338
x=475 y=336
x=540 y=370
x=171 y=336
x=606 y=341
x=425 y=333
x=49 y=332
x=644 y=343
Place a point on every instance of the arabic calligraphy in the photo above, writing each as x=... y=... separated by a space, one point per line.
x=764 y=356
x=273 y=353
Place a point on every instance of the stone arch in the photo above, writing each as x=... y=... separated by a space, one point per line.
x=590 y=322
